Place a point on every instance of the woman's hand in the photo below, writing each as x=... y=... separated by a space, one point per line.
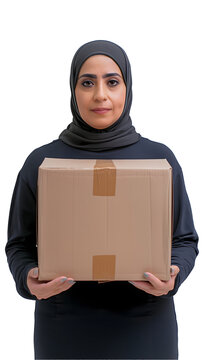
x=155 y=286
x=44 y=289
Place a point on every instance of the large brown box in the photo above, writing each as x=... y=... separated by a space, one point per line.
x=104 y=219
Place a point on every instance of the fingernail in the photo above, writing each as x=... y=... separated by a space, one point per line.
x=63 y=279
x=172 y=270
x=130 y=282
x=146 y=275
x=71 y=282
x=36 y=272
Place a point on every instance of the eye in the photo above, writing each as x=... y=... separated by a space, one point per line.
x=113 y=82
x=87 y=83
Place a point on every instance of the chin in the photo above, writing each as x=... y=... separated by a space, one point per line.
x=101 y=126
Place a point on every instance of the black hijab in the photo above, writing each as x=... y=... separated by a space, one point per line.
x=81 y=135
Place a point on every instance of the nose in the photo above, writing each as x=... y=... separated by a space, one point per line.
x=100 y=92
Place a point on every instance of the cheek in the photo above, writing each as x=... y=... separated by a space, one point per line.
x=119 y=101
x=82 y=101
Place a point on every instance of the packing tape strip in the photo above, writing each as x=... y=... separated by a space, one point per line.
x=104 y=184
x=104 y=267
x=104 y=178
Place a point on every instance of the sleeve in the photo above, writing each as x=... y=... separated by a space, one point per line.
x=185 y=238
x=21 y=250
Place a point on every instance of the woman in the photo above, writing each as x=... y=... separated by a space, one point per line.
x=94 y=320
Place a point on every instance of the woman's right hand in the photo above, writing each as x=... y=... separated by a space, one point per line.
x=46 y=289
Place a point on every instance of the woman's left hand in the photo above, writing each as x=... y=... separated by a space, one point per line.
x=155 y=286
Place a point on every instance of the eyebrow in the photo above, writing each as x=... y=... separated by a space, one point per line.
x=95 y=76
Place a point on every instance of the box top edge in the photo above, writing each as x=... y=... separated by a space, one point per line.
x=76 y=164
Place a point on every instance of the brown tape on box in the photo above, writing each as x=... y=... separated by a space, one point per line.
x=104 y=184
x=104 y=178
x=104 y=267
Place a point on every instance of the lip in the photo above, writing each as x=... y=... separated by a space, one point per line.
x=101 y=110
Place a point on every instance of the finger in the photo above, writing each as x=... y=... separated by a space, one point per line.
x=59 y=282
x=33 y=272
x=174 y=270
x=157 y=284
x=55 y=287
x=68 y=281
x=148 y=288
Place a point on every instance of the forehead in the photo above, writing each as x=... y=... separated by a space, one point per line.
x=100 y=64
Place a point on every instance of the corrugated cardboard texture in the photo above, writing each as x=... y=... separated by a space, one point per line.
x=104 y=219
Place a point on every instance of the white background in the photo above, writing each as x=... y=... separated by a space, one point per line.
x=38 y=40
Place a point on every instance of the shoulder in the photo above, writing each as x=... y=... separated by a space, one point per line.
x=160 y=150
x=29 y=170
x=39 y=153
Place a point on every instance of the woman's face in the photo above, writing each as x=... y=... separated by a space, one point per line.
x=100 y=91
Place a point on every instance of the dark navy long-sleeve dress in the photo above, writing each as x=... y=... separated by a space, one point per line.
x=113 y=320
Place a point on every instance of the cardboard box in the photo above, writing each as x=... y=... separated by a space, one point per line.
x=104 y=219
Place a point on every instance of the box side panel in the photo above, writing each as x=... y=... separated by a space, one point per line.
x=56 y=230
x=161 y=225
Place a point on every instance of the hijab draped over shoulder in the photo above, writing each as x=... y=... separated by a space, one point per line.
x=81 y=135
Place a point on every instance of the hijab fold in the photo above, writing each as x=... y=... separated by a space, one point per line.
x=81 y=135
